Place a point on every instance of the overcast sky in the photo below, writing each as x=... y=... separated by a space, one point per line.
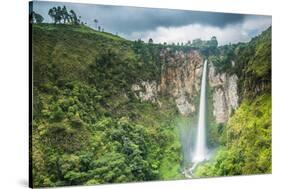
x=164 y=25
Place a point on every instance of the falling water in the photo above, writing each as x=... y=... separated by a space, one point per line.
x=200 y=153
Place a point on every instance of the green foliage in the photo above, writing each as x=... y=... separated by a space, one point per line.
x=88 y=127
x=223 y=58
x=256 y=76
x=36 y=18
x=251 y=62
x=207 y=48
x=247 y=142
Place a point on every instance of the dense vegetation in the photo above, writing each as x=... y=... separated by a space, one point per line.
x=89 y=128
x=246 y=142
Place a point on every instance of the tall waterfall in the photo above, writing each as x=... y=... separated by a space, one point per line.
x=200 y=153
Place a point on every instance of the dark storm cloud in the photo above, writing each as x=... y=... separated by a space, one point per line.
x=131 y=19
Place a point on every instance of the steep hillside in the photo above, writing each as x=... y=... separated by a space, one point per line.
x=107 y=110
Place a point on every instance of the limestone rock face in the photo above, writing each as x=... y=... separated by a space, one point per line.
x=220 y=110
x=146 y=91
x=184 y=106
x=182 y=73
x=225 y=95
x=180 y=78
x=232 y=91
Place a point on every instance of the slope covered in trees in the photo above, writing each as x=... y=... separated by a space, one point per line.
x=88 y=127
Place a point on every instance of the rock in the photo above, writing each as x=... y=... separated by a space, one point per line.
x=136 y=87
x=220 y=110
x=184 y=106
x=225 y=95
x=180 y=78
x=232 y=92
x=146 y=91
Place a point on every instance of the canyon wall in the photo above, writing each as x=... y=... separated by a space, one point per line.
x=180 y=79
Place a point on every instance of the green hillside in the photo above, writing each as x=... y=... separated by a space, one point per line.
x=88 y=127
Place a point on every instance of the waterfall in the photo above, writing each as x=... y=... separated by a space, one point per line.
x=200 y=153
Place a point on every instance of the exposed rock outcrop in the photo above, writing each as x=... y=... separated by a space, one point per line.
x=180 y=78
x=225 y=95
x=146 y=91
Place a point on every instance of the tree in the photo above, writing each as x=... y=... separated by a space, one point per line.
x=197 y=43
x=96 y=22
x=73 y=17
x=60 y=15
x=64 y=14
x=150 y=41
x=52 y=13
x=56 y=14
x=214 y=42
x=36 y=18
x=99 y=28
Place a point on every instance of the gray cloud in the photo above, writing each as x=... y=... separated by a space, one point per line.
x=231 y=33
x=136 y=23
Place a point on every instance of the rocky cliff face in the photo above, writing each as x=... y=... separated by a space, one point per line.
x=146 y=91
x=225 y=95
x=180 y=79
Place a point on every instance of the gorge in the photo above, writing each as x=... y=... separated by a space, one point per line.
x=109 y=110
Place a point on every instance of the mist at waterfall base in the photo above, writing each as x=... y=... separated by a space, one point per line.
x=193 y=134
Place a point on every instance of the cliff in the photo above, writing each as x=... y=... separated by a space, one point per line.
x=180 y=79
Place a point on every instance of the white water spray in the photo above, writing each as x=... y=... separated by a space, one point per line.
x=201 y=151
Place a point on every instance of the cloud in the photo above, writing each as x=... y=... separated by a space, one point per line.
x=124 y=19
x=231 y=33
x=165 y=25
